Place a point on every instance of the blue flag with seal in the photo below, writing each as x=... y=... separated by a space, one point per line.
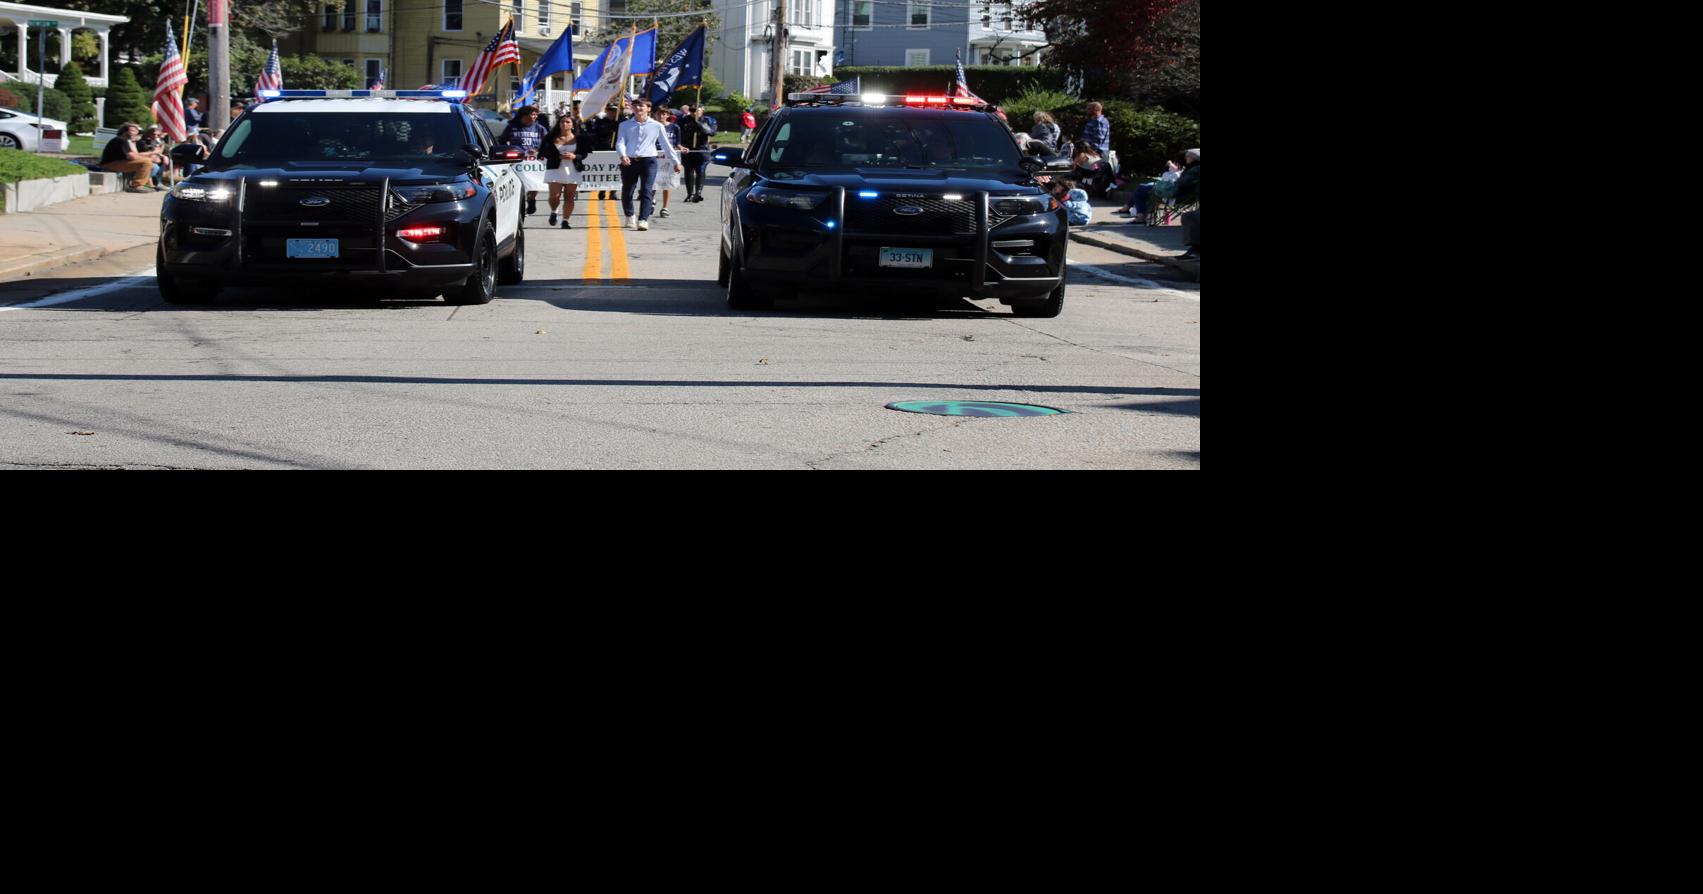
x=644 y=50
x=557 y=59
x=683 y=68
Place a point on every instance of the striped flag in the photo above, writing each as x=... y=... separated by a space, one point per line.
x=168 y=90
x=501 y=49
x=271 y=77
x=853 y=87
x=962 y=90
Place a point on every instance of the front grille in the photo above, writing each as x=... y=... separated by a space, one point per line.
x=343 y=205
x=937 y=217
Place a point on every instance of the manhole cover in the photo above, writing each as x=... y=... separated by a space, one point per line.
x=971 y=408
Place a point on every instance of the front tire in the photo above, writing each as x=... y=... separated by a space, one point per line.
x=176 y=291
x=1051 y=306
x=481 y=287
x=740 y=295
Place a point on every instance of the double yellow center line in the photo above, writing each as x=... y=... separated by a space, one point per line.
x=609 y=222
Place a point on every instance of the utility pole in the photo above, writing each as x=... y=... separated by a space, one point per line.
x=778 y=47
x=219 y=63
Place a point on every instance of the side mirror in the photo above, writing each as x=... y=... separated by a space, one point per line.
x=185 y=154
x=505 y=155
x=1032 y=165
x=733 y=158
x=1060 y=164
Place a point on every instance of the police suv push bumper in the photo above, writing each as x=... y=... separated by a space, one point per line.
x=838 y=246
x=248 y=234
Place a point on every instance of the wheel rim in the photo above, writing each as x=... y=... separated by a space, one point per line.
x=487 y=269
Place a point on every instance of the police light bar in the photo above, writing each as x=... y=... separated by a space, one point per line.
x=363 y=94
x=882 y=99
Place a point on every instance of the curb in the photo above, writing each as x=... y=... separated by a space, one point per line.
x=1191 y=268
x=41 y=263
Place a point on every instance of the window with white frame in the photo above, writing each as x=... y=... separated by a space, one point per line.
x=375 y=16
x=375 y=70
x=918 y=16
x=330 y=23
x=451 y=71
x=915 y=58
x=801 y=13
x=544 y=17
x=801 y=63
x=574 y=22
x=348 y=15
x=520 y=15
x=863 y=15
x=452 y=19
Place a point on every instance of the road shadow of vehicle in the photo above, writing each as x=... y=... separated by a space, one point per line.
x=663 y=297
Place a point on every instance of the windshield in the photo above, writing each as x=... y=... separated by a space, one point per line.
x=267 y=140
x=866 y=139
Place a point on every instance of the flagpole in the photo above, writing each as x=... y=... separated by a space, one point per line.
x=188 y=32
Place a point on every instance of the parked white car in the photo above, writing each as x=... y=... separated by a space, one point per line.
x=18 y=131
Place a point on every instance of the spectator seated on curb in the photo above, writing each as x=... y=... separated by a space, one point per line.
x=1075 y=201
x=122 y=156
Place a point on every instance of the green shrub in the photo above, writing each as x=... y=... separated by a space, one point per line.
x=77 y=90
x=54 y=104
x=1143 y=138
x=125 y=100
x=16 y=165
x=1021 y=109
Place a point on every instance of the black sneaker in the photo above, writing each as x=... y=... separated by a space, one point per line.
x=553 y=217
x=566 y=224
x=531 y=204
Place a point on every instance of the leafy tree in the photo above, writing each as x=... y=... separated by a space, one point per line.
x=54 y=104
x=76 y=89
x=670 y=32
x=1141 y=49
x=126 y=101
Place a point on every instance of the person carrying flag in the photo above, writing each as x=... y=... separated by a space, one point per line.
x=695 y=133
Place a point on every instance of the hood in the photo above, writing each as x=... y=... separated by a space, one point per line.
x=331 y=175
x=909 y=181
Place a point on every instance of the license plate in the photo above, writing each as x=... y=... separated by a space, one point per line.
x=310 y=248
x=916 y=258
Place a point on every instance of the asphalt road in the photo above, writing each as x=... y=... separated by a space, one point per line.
x=631 y=360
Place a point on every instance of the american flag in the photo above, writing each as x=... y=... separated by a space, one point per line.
x=168 y=87
x=272 y=76
x=501 y=49
x=962 y=89
x=853 y=87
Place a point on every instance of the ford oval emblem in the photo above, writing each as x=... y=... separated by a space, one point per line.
x=908 y=210
x=316 y=202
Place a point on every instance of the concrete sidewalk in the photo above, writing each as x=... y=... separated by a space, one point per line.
x=76 y=232
x=1112 y=231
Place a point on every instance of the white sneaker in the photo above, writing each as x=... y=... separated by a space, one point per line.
x=632 y=223
x=644 y=224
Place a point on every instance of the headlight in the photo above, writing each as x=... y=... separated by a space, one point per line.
x=191 y=193
x=438 y=192
x=791 y=198
x=1014 y=206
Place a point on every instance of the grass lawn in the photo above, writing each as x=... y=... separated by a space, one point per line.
x=16 y=165
x=81 y=146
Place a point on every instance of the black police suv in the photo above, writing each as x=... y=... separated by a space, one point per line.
x=347 y=191
x=886 y=195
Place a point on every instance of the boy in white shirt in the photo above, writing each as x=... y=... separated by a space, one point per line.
x=639 y=143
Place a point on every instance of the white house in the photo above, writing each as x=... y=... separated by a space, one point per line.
x=744 y=45
x=18 y=16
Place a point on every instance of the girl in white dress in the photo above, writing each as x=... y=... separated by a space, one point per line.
x=562 y=159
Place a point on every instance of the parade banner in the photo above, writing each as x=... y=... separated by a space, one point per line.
x=602 y=171
x=531 y=174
